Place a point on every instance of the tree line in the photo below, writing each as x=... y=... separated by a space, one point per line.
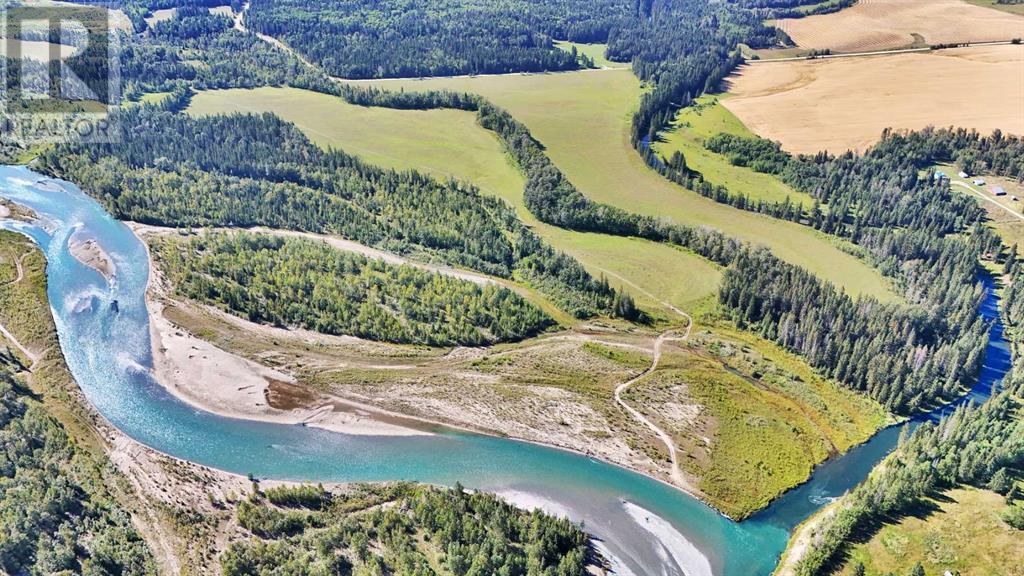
x=389 y=38
x=401 y=529
x=291 y=282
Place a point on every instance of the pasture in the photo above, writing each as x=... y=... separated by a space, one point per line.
x=449 y=144
x=886 y=24
x=595 y=51
x=845 y=103
x=582 y=118
x=706 y=118
x=959 y=531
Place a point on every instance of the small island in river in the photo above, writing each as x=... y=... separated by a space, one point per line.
x=90 y=253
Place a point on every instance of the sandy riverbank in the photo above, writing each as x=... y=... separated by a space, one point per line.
x=219 y=382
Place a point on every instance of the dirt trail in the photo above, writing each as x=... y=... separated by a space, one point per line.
x=667 y=336
x=986 y=198
x=32 y=356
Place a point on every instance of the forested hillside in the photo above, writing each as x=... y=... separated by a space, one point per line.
x=380 y=39
x=258 y=170
x=400 y=529
x=298 y=282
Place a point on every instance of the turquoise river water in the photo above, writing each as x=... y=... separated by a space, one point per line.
x=645 y=526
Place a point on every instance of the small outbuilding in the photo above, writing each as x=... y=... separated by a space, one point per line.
x=998 y=191
x=963 y=174
x=979 y=181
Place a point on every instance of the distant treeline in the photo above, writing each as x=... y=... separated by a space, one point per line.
x=302 y=282
x=257 y=170
x=797 y=8
x=400 y=529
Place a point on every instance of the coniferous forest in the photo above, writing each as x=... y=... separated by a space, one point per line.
x=54 y=497
x=307 y=531
x=243 y=171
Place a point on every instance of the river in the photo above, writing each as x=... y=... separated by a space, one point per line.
x=646 y=526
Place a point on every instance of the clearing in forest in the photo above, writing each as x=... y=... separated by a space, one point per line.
x=583 y=120
x=694 y=125
x=959 y=531
x=885 y=24
x=449 y=144
x=845 y=103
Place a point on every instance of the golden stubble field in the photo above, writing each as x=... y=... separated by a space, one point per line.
x=845 y=103
x=885 y=24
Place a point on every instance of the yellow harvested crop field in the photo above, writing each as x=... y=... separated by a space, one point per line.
x=886 y=24
x=845 y=103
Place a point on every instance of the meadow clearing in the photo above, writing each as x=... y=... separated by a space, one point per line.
x=706 y=118
x=594 y=151
x=449 y=144
x=854 y=99
x=886 y=24
x=959 y=530
x=582 y=118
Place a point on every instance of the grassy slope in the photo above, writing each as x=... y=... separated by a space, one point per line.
x=694 y=125
x=960 y=531
x=643 y=267
x=448 y=143
x=583 y=119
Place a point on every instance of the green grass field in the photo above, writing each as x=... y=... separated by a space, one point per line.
x=583 y=120
x=595 y=51
x=768 y=418
x=960 y=531
x=694 y=125
x=449 y=143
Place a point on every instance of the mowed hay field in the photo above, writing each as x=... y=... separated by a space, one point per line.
x=845 y=103
x=884 y=24
x=449 y=144
x=582 y=118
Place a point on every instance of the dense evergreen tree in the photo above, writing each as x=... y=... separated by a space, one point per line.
x=245 y=170
x=970 y=446
x=391 y=530
x=389 y=38
x=904 y=357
